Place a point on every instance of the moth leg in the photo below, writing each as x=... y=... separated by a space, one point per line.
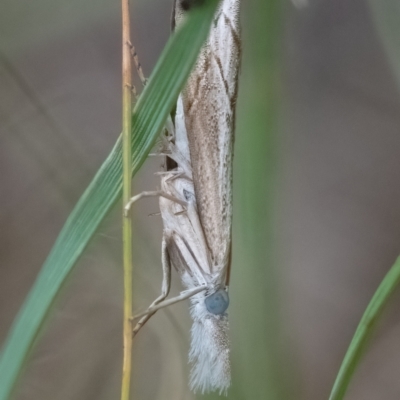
x=138 y=66
x=169 y=125
x=160 y=302
x=183 y=296
x=165 y=286
x=174 y=174
x=157 y=193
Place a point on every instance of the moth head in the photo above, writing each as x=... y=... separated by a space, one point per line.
x=218 y=302
x=186 y=5
x=181 y=7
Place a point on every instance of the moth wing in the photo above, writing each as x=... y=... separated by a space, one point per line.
x=188 y=252
x=209 y=106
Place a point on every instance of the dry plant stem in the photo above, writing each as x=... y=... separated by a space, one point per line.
x=126 y=195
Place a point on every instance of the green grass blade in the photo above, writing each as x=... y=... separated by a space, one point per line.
x=364 y=331
x=386 y=15
x=261 y=352
x=148 y=119
x=261 y=368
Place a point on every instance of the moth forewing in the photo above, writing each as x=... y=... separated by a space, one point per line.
x=182 y=225
x=209 y=100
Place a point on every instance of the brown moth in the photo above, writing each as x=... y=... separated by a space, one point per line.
x=209 y=101
x=196 y=196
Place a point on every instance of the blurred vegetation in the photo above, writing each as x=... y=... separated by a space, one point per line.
x=387 y=16
x=28 y=24
x=261 y=351
x=264 y=359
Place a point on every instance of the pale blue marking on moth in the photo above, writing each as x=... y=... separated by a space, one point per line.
x=218 y=302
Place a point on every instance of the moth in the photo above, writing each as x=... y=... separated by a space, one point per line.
x=196 y=196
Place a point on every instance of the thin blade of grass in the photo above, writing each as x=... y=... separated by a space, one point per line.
x=364 y=331
x=148 y=119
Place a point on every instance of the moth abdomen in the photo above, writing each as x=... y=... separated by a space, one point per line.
x=209 y=350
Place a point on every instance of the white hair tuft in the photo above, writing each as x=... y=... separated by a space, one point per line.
x=209 y=349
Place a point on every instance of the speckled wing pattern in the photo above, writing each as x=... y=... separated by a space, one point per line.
x=209 y=107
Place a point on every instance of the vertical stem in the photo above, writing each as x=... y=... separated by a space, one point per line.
x=127 y=190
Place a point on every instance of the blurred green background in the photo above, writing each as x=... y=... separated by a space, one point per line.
x=318 y=200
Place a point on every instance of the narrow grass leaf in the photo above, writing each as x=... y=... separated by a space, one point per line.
x=364 y=331
x=148 y=119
